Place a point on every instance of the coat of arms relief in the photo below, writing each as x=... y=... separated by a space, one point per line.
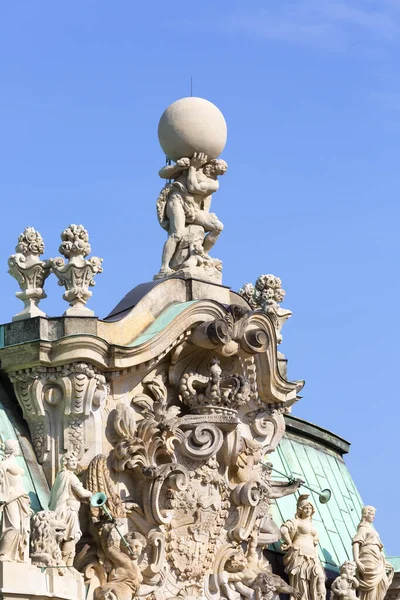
x=187 y=476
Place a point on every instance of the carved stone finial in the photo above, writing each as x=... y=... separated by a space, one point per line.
x=77 y=275
x=30 y=272
x=266 y=295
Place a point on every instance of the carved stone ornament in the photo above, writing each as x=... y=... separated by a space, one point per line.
x=60 y=406
x=183 y=210
x=300 y=542
x=66 y=496
x=48 y=532
x=373 y=572
x=195 y=492
x=78 y=274
x=346 y=585
x=174 y=499
x=15 y=507
x=266 y=295
x=30 y=272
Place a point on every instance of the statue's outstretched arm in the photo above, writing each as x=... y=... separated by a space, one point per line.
x=113 y=553
x=281 y=488
x=82 y=493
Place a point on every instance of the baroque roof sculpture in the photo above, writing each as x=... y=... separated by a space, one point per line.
x=172 y=426
x=192 y=131
x=153 y=426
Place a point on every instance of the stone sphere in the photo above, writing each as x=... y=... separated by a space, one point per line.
x=192 y=125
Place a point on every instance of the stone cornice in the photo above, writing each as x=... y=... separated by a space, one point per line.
x=112 y=358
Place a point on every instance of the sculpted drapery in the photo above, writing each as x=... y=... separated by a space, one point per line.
x=373 y=572
x=15 y=505
x=65 y=500
x=301 y=559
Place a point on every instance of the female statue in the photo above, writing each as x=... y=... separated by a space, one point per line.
x=373 y=572
x=14 y=506
x=65 y=499
x=300 y=541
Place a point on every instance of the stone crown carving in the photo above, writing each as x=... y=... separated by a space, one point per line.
x=214 y=394
x=30 y=272
x=266 y=295
x=78 y=274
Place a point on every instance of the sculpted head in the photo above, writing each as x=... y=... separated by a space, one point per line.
x=251 y=453
x=69 y=462
x=348 y=568
x=11 y=448
x=368 y=513
x=235 y=563
x=214 y=168
x=137 y=542
x=305 y=509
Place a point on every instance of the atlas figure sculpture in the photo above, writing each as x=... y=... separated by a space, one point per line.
x=186 y=203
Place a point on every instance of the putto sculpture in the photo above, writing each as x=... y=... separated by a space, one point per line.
x=30 y=272
x=250 y=576
x=374 y=573
x=78 y=274
x=300 y=544
x=346 y=585
x=15 y=507
x=126 y=576
x=192 y=131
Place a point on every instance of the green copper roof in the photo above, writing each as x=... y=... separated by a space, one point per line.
x=161 y=322
x=395 y=561
x=320 y=468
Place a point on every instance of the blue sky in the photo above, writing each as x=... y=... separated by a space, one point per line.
x=311 y=94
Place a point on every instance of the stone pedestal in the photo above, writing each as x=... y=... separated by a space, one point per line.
x=26 y=581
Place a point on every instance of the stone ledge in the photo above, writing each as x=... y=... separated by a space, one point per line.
x=26 y=581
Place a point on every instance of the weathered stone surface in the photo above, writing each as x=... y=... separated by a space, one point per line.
x=28 y=582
